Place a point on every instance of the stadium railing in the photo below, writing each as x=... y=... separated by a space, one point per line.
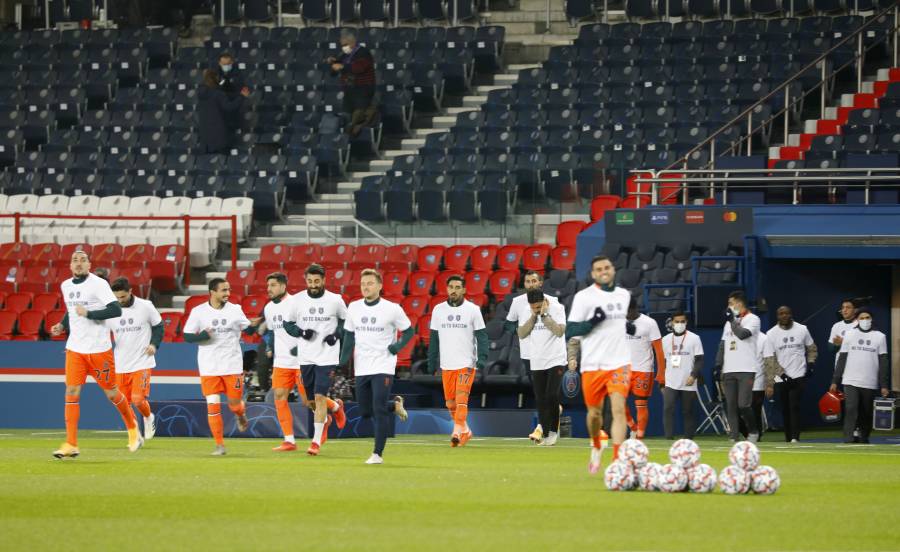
x=186 y=219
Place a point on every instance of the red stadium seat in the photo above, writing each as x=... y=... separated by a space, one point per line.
x=436 y=300
x=193 y=301
x=415 y=305
x=420 y=283
x=567 y=232
x=603 y=203
x=483 y=257
x=304 y=255
x=2 y=299
x=37 y=279
x=423 y=329
x=481 y=299
x=14 y=251
x=45 y=302
x=456 y=258
x=405 y=355
x=394 y=283
x=668 y=193
x=106 y=254
x=65 y=253
x=10 y=276
x=398 y=299
x=266 y=267
x=634 y=202
x=429 y=258
x=19 y=302
x=275 y=254
x=336 y=280
x=139 y=255
x=53 y=318
x=296 y=281
x=240 y=279
x=503 y=282
x=352 y=293
x=7 y=325
x=440 y=281
x=337 y=254
x=253 y=305
x=477 y=282
x=44 y=253
x=260 y=282
x=510 y=257
x=562 y=258
x=30 y=325
x=535 y=257
x=172 y=325
x=400 y=258
x=139 y=278
x=368 y=256
x=167 y=267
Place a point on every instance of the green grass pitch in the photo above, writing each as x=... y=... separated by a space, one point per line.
x=494 y=494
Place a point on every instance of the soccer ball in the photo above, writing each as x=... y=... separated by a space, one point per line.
x=764 y=480
x=701 y=478
x=744 y=455
x=672 y=479
x=648 y=476
x=634 y=452
x=685 y=453
x=619 y=476
x=733 y=480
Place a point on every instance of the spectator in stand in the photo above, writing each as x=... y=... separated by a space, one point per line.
x=214 y=106
x=356 y=69
x=231 y=82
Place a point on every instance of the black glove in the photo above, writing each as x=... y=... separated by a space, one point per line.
x=785 y=378
x=630 y=328
x=729 y=316
x=599 y=316
x=307 y=334
x=331 y=339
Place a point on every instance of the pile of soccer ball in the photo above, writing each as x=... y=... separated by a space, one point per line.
x=685 y=472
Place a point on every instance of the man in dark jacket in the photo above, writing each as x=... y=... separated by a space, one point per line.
x=356 y=69
x=213 y=108
x=231 y=82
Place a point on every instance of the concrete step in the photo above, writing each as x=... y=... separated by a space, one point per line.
x=379 y=166
x=774 y=152
x=793 y=140
x=506 y=79
x=846 y=100
x=412 y=144
x=391 y=154
x=810 y=126
x=335 y=198
x=422 y=132
x=485 y=89
x=457 y=110
x=474 y=101
x=343 y=208
x=867 y=87
x=347 y=187
x=831 y=113
x=443 y=122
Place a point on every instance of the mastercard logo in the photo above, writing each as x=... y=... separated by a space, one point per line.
x=729 y=216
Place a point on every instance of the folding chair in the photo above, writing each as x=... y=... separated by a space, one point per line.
x=713 y=411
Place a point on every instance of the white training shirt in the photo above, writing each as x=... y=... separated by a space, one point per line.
x=741 y=354
x=220 y=355
x=520 y=313
x=132 y=334
x=275 y=315
x=605 y=347
x=764 y=350
x=375 y=327
x=686 y=347
x=641 y=343
x=87 y=336
x=456 y=327
x=547 y=349
x=789 y=348
x=863 y=349
x=320 y=315
x=839 y=329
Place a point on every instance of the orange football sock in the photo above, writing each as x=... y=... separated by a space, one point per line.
x=124 y=409
x=216 y=426
x=462 y=410
x=284 y=417
x=140 y=402
x=73 y=412
x=615 y=452
x=332 y=405
x=595 y=441
x=628 y=419
x=238 y=408
x=643 y=416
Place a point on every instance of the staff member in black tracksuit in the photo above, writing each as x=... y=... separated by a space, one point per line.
x=213 y=107
x=231 y=82
x=356 y=68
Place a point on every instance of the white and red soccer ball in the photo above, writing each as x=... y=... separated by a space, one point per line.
x=764 y=480
x=733 y=480
x=648 y=476
x=702 y=479
x=684 y=453
x=672 y=479
x=634 y=452
x=619 y=476
x=744 y=455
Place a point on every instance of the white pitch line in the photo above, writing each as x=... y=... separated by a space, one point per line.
x=49 y=433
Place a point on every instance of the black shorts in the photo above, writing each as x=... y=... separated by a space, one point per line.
x=317 y=379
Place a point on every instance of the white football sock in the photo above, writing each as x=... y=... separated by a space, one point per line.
x=289 y=439
x=317 y=437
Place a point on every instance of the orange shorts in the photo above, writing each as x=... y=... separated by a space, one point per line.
x=641 y=384
x=102 y=366
x=287 y=378
x=135 y=383
x=596 y=385
x=457 y=381
x=231 y=385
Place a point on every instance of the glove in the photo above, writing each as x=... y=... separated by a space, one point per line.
x=717 y=373
x=307 y=334
x=294 y=351
x=630 y=328
x=331 y=339
x=393 y=348
x=479 y=364
x=599 y=316
x=729 y=316
x=785 y=378
x=810 y=368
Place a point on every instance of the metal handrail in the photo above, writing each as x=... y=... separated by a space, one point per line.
x=748 y=112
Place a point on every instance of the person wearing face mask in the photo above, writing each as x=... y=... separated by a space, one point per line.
x=737 y=362
x=356 y=68
x=231 y=82
x=862 y=368
x=683 y=352
x=214 y=107
x=789 y=353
